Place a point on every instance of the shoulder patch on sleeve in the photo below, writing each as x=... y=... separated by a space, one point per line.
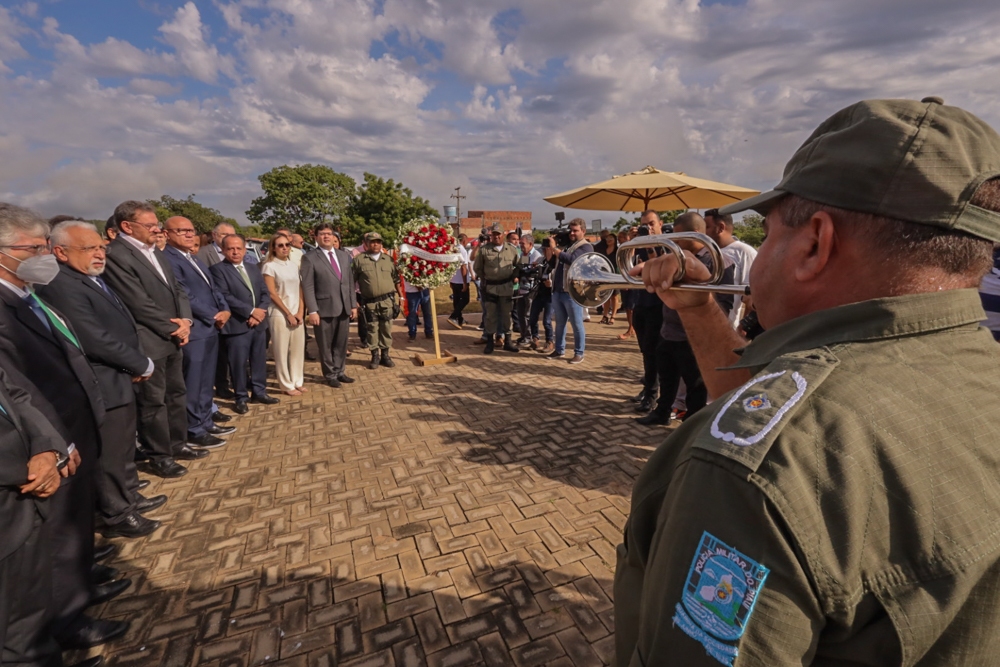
x=719 y=596
x=751 y=418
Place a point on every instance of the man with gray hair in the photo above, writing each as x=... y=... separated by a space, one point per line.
x=838 y=502
x=39 y=346
x=108 y=335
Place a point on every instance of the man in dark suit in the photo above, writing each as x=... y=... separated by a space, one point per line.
x=38 y=346
x=328 y=289
x=210 y=313
x=242 y=286
x=142 y=278
x=109 y=338
x=30 y=452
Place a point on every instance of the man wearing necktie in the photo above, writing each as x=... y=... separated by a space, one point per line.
x=243 y=288
x=142 y=278
x=107 y=333
x=331 y=301
x=210 y=313
x=39 y=346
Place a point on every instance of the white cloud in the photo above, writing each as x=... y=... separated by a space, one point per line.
x=547 y=97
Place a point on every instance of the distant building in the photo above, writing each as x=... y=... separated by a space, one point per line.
x=505 y=220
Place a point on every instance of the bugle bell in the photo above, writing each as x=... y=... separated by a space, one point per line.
x=591 y=278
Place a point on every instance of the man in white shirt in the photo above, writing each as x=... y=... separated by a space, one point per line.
x=460 y=285
x=720 y=227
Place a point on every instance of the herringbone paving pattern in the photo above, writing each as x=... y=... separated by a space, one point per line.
x=448 y=515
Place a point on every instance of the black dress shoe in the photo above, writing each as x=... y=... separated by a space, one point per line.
x=108 y=591
x=654 y=419
x=264 y=399
x=219 y=431
x=103 y=551
x=96 y=661
x=143 y=483
x=187 y=453
x=133 y=525
x=166 y=468
x=141 y=454
x=638 y=397
x=335 y=383
x=647 y=403
x=206 y=441
x=88 y=632
x=241 y=408
x=225 y=393
x=220 y=417
x=144 y=504
x=344 y=378
x=102 y=574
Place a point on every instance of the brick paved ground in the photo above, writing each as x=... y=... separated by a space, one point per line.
x=451 y=515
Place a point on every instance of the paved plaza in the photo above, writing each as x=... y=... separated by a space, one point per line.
x=449 y=515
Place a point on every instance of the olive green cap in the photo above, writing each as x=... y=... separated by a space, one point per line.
x=372 y=236
x=913 y=161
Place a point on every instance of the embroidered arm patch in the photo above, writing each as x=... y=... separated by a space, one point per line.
x=719 y=595
x=751 y=418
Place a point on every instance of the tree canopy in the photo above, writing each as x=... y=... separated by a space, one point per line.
x=383 y=206
x=202 y=217
x=300 y=197
x=750 y=229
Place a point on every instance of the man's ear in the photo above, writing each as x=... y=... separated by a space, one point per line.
x=815 y=246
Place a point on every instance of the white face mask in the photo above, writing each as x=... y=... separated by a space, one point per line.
x=37 y=270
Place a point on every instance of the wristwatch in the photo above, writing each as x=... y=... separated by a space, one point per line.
x=61 y=460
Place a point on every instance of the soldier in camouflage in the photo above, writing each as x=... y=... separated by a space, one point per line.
x=379 y=285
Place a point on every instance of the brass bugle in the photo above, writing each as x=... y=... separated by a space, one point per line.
x=591 y=279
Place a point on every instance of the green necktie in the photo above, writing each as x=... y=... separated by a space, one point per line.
x=56 y=322
x=246 y=279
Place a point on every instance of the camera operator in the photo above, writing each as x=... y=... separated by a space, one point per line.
x=497 y=267
x=522 y=303
x=565 y=307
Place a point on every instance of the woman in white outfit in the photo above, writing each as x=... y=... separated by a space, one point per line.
x=288 y=333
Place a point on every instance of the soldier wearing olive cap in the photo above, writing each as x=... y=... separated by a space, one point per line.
x=379 y=284
x=838 y=503
x=497 y=267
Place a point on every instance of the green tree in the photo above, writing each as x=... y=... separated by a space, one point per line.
x=202 y=217
x=667 y=217
x=300 y=197
x=750 y=229
x=382 y=206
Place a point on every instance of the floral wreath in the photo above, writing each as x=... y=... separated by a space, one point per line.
x=427 y=253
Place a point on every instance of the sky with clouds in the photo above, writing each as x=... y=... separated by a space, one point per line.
x=512 y=100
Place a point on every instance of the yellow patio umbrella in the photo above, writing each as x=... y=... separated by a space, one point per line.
x=652 y=189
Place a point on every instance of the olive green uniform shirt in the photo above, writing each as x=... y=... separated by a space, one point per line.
x=843 y=507
x=375 y=278
x=492 y=264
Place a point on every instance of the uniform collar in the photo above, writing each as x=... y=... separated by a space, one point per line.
x=877 y=319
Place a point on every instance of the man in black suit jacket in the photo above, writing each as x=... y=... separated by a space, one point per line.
x=38 y=345
x=29 y=445
x=109 y=338
x=330 y=299
x=244 y=289
x=210 y=313
x=142 y=278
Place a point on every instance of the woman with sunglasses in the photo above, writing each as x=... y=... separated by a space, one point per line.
x=286 y=314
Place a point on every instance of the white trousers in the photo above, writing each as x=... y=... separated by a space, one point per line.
x=288 y=346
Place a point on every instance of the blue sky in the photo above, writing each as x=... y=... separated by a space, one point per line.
x=512 y=100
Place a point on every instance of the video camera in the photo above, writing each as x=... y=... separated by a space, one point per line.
x=560 y=233
x=530 y=280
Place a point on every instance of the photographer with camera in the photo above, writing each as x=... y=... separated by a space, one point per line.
x=497 y=267
x=530 y=257
x=565 y=307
